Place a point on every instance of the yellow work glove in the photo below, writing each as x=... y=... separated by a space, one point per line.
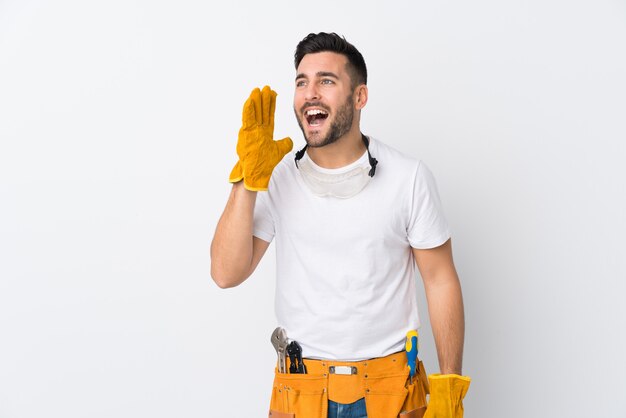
x=446 y=395
x=257 y=150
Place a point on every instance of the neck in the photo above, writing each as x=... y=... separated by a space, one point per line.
x=340 y=153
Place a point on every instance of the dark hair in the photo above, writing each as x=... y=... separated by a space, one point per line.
x=331 y=42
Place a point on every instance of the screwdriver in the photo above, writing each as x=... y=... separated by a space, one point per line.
x=411 y=352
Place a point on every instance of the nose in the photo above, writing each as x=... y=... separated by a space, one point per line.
x=311 y=92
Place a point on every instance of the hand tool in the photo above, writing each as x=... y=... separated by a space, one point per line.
x=293 y=361
x=280 y=342
x=295 y=356
x=411 y=352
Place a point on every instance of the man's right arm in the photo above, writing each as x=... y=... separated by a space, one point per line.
x=235 y=252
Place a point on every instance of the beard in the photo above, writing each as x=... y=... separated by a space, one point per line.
x=340 y=125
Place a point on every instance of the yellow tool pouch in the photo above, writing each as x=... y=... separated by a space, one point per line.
x=299 y=395
x=383 y=382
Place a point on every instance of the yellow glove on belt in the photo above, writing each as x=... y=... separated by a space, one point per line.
x=257 y=150
x=446 y=395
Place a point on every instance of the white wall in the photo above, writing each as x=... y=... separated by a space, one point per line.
x=118 y=123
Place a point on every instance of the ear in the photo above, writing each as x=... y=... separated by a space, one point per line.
x=360 y=97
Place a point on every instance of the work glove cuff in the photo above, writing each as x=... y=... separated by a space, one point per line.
x=448 y=386
x=236 y=174
x=446 y=395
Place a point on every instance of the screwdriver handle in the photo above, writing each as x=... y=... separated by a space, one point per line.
x=411 y=347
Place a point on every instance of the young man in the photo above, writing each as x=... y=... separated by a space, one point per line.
x=352 y=217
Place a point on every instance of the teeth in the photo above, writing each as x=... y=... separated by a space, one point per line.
x=315 y=112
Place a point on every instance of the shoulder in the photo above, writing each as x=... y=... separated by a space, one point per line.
x=393 y=160
x=284 y=174
x=397 y=166
x=286 y=165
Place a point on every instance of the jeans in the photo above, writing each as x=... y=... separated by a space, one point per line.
x=347 y=410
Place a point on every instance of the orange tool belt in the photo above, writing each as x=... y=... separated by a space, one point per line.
x=383 y=382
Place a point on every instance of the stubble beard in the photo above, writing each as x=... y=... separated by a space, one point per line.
x=339 y=126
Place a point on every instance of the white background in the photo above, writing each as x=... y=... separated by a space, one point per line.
x=118 y=123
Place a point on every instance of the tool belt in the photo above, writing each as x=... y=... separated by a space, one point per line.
x=383 y=382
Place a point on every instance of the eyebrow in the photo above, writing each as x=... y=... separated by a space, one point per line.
x=319 y=74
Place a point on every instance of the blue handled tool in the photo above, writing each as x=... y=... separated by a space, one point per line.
x=411 y=352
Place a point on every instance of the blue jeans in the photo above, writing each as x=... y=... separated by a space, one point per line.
x=347 y=410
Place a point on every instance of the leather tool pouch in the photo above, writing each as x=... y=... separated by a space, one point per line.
x=299 y=395
x=393 y=395
x=415 y=403
x=387 y=390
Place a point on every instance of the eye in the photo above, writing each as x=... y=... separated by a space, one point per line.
x=300 y=83
x=327 y=81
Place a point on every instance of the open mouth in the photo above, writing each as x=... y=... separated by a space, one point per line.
x=315 y=117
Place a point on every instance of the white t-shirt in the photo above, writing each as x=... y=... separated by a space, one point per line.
x=345 y=285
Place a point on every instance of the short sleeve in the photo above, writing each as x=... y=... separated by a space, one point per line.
x=263 y=227
x=427 y=226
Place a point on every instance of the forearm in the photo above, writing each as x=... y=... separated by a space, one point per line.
x=232 y=245
x=445 y=307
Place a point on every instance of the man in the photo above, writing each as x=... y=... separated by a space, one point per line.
x=351 y=217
